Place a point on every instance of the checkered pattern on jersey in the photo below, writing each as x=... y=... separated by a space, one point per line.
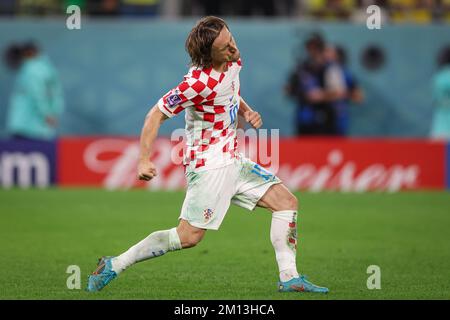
x=205 y=94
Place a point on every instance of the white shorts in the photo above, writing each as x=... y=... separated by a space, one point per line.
x=210 y=192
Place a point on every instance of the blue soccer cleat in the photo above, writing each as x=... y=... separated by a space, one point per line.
x=102 y=275
x=300 y=284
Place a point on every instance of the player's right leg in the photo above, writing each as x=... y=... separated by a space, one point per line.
x=155 y=245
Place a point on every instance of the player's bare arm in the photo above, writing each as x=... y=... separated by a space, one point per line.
x=251 y=116
x=153 y=120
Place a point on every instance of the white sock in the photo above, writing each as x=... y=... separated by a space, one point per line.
x=283 y=234
x=155 y=245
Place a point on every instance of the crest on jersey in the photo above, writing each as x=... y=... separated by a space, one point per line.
x=173 y=100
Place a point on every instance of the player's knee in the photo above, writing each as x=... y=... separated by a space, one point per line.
x=189 y=236
x=190 y=242
x=290 y=202
x=191 y=239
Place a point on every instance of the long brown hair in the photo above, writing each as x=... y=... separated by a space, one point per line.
x=200 y=39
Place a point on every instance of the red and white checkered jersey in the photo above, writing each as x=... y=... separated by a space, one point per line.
x=211 y=100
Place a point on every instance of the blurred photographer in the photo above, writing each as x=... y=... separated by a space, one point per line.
x=342 y=81
x=440 y=127
x=37 y=100
x=316 y=84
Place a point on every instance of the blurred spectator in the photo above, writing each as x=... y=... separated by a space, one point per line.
x=257 y=7
x=356 y=94
x=36 y=101
x=331 y=9
x=8 y=7
x=418 y=11
x=41 y=7
x=444 y=10
x=13 y=56
x=139 y=7
x=79 y=3
x=211 y=7
x=103 y=7
x=266 y=8
x=397 y=11
x=316 y=85
x=342 y=81
x=440 y=127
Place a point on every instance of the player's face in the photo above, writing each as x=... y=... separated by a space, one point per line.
x=224 y=48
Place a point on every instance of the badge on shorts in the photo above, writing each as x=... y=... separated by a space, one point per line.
x=207 y=213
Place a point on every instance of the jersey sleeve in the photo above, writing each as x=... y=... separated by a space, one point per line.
x=189 y=92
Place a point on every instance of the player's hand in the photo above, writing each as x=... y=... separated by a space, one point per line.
x=253 y=118
x=146 y=170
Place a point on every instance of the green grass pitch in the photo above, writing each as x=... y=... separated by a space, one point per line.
x=407 y=235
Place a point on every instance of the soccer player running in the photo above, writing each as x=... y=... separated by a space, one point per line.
x=217 y=175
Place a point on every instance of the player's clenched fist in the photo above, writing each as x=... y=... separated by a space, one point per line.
x=253 y=118
x=146 y=170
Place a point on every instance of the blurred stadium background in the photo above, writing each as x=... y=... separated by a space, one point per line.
x=128 y=53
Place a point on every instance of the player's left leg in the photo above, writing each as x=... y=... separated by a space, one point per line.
x=205 y=205
x=159 y=243
x=155 y=245
x=283 y=234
